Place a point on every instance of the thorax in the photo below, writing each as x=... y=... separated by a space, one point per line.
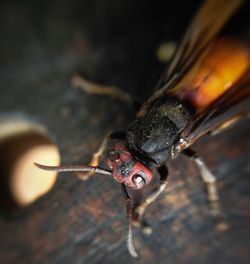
x=153 y=136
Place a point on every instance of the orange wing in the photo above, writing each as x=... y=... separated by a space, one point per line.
x=209 y=20
x=224 y=64
x=233 y=104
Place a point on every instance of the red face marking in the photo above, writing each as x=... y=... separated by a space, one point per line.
x=126 y=169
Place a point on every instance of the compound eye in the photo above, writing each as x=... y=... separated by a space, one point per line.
x=139 y=181
x=114 y=156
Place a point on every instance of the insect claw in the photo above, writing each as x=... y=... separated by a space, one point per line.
x=147 y=229
x=215 y=208
x=130 y=243
x=136 y=223
x=84 y=176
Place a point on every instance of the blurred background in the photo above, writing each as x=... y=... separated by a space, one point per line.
x=63 y=220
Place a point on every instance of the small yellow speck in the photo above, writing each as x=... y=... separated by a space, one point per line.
x=166 y=51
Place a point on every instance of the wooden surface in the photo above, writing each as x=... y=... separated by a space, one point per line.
x=42 y=44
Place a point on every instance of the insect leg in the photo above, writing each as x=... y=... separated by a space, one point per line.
x=130 y=244
x=94 y=88
x=225 y=125
x=97 y=155
x=209 y=180
x=140 y=208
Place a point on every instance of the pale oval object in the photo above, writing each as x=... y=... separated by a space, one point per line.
x=27 y=182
